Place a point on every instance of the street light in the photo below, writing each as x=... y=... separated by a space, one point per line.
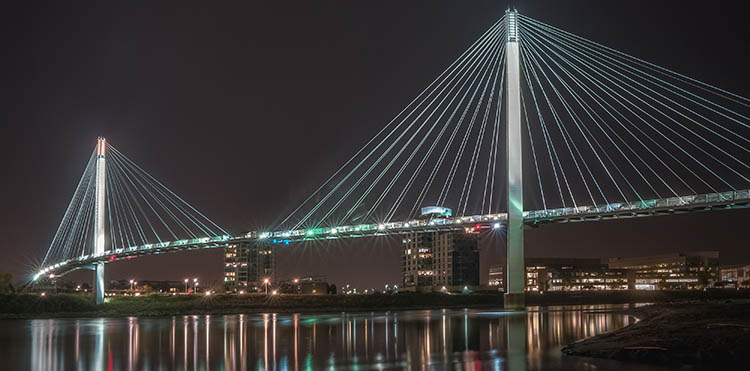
x=265 y=283
x=131 y=285
x=186 y=281
x=195 y=284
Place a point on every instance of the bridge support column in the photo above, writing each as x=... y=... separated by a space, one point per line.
x=516 y=272
x=99 y=217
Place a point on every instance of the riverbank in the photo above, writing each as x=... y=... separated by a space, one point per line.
x=707 y=334
x=67 y=305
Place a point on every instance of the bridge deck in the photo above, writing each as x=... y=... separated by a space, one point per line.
x=665 y=206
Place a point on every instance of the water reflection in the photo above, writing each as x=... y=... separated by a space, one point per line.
x=435 y=339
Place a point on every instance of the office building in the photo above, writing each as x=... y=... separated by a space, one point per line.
x=247 y=265
x=497 y=277
x=573 y=274
x=737 y=275
x=431 y=261
x=672 y=271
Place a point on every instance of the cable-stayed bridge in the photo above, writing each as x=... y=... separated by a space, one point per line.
x=529 y=125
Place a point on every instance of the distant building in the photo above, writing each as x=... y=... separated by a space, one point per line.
x=672 y=271
x=147 y=286
x=497 y=277
x=433 y=260
x=737 y=275
x=247 y=265
x=306 y=286
x=573 y=274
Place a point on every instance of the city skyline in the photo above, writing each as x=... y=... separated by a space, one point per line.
x=246 y=172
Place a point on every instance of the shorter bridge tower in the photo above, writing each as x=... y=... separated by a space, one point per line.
x=99 y=216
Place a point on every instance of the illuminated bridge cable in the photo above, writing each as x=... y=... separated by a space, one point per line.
x=597 y=99
x=653 y=67
x=644 y=98
x=579 y=124
x=393 y=144
x=451 y=68
x=448 y=145
x=390 y=214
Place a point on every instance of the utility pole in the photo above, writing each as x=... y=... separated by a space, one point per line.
x=99 y=214
x=514 y=296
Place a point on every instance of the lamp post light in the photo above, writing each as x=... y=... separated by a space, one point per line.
x=131 y=285
x=265 y=283
x=195 y=285
x=186 y=282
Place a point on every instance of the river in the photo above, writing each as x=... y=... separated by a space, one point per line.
x=419 y=339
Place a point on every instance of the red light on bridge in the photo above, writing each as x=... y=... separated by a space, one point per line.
x=477 y=227
x=111 y=258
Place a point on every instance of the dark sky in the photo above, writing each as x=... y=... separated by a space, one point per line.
x=243 y=108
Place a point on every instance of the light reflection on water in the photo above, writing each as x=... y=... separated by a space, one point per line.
x=435 y=339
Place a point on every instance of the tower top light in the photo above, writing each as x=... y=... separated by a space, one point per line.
x=511 y=24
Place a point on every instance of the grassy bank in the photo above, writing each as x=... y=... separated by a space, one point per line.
x=34 y=306
x=707 y=334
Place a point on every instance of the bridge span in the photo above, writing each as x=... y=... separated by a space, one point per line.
x=497 y=222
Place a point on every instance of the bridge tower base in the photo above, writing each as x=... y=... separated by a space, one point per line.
x=516 y=272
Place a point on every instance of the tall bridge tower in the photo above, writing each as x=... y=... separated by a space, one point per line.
x=514 y=296
x=99 y=216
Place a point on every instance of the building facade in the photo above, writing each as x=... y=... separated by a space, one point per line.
x=433 y=260
x=672 y=271
x=736 y=275
x=247 y=265
x=497 y=277
x=573 y=274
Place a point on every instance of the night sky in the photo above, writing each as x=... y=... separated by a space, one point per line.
x=243 y=109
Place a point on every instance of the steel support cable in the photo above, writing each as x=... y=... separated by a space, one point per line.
x=657 y=81
x=560 y=127
x=598 y=99
x=112 y=209
x=545 y=135
x=498 y=112
x=478 y=145
x=122 y=210
x=438 y=164
x=87 y=227
x=128 y=196
x=473 y=57
x=619 y=98
x=628 y=89
x=492 y=156
x=70 y=241
x=492 y=65
x=592 y=58
x=382 y=156
x=148 y=192
x=62 y=228
x=533 y=152
x=403 y=193
x=470 y=50
x=578 y=123
x=173 y=194
x=475 y=68
x=123 y=167
x=151 y=207
x=588 y=110
x=653 y=67
x=451 y=174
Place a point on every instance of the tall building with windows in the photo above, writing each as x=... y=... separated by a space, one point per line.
x=433 y=260
x=247 y=265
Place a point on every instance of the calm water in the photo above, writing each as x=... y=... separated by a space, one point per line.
x=432 y=339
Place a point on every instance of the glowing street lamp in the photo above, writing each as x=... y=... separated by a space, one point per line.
x=195 y=284
x=186 y=282
x=266 y=281
x=131 y=285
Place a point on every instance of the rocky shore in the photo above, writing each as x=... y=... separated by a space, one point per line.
x=705 y=334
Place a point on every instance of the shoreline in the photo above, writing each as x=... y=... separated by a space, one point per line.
x=706 y=333
x=70 y=306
